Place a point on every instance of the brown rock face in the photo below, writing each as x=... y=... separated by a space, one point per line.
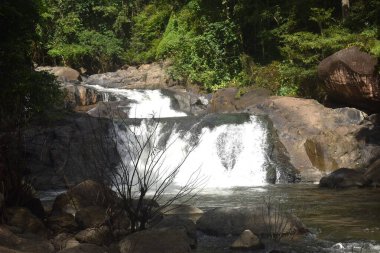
x=156 y=241
x=63 y=74
x=350 y=77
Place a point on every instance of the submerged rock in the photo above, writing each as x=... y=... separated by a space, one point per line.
x=343 y=178
x=229 y=220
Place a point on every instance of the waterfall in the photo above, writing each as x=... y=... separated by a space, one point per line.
x=227 y=153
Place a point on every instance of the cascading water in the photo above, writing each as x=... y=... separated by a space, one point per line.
x=227 y=154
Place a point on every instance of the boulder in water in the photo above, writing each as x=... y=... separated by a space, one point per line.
x=228 y=220
x=247 y=240
x=166 y=240
x=343 y=178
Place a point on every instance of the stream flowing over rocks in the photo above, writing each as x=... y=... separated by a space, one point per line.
x=249 y=147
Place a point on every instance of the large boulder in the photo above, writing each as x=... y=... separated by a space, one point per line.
x=11 y=242
x=233 y=221
x=247 y=240
x=91 y=216
x=166 y=240
x=61 y=223
x=144 y=76
x=86 y=194
x=79 y=95
x=319 y=140
x=99 y=236
x=71 y=149
x=26 y=221
x=351 y=77
x=64 y=241
x=343 y=178
x=63 y=74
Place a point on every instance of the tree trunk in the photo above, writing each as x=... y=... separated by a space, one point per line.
x=345 y=8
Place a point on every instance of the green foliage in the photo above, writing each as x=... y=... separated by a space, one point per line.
x=148 y=28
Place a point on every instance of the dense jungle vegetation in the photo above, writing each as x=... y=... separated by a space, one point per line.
x=214 y=43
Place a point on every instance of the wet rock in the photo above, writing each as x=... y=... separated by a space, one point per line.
x=25 y=221
x=318 y=140
x=61 y=223
x=99 y=236
x=88 y=193
x=372 y=174
x=247 y=240
x=58 y=156
x=78 y=95
x=156 y=241
x=182 y=210
x=228 y=220
x=350 y=77
x=343 y=178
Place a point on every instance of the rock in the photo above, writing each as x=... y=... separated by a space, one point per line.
x=61 y=223
x=85 y=248
x=63 y=74
x=233 y=221
x=99 y=236
x=343 y=178
x=35 y=206
x=156 y=241
x=350 y=77
x=229 y=99
x=187 y=101
x=150 y=76
x=64 y=241
x=180 y=223
x=318 y=140
x=372 y=174
x=26 y=221
x=78 y=95
x=58 y=155
x=223 y=100
x=11 y=242
x=182 y=210
x=247 y=240
x=90 y=216
x=85 y=194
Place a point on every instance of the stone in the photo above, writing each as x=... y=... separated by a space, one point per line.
x=247 y=240
x=148 y=76
x=99 y=236
x=11 y=242
x=156 y=241
x=26 y=221
x=232 y=221
x=350 y=77
x=179 y=222
x=343 y=178
x=64 y=222
x=85 y=248
x=372 y=173
x=90 y=216
x=223 y=100
x=64 y=241
x=182 y=210
x=88 y=193
x=58 y=155
x=63 y=74
x=318 y=140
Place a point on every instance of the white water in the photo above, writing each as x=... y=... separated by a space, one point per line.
x=227 y=155
x=144 y=104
